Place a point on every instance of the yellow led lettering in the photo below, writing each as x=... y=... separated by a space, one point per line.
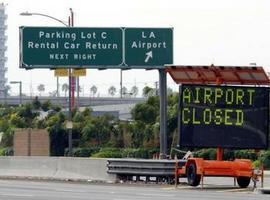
x=194 y=117
x=218 y=116
x=218 y=94
x=186 y=95
x=239 y=96
x=207 y=95
x=239 y=117
x=197 y=89
x=250 y=96
x=227 y=117
x=207 y=116
x=185 y=117
x=229 y=96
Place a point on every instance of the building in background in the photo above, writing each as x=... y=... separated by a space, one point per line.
x=3 y=48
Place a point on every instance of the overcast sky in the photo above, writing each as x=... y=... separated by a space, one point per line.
x=228 y=32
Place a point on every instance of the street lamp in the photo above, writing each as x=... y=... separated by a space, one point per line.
x=20 y=88
x=44 y=15
x=71 y=80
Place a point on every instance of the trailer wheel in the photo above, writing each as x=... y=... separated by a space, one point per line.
x=243 y=181
x=192 y=178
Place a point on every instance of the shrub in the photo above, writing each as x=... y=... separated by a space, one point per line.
x=85 y=152
x=108 y=153
x=124 y=153
x=135 y=153
x=207 y=154
x=257 y=164
x=246 y=154
x=45 y=106
x=8 y=151
x=210 y=154
x=265 y=159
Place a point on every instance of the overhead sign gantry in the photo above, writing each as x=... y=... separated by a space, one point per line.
x=47 y=47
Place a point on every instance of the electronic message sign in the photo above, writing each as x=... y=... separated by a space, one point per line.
x=224 y=116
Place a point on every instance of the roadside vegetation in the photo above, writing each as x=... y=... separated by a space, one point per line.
x=105 y=136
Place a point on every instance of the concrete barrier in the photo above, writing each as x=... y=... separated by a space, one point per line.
x=62 y=168
x=55 y=168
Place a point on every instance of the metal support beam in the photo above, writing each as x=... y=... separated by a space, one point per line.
x=20 y=93
x=121 y=83
x=57 y=89
x=69 y=114
x=163 y=112
x=78 y=92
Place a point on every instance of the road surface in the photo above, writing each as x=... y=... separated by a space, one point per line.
x=34 y=190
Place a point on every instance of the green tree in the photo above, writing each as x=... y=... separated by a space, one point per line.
x=146 y=112
x=58 y=134
x=17 y=121
x=169 y=91
x=26 y=112
x=7 y=90
x=148 y=91
x=134 y=91
x=112 y=91
x=36 y=103
x=124 y=91
x=53 y=93
x=98 y=130
x=41 y=88
x=93 y=90
x=46 y=105
x=65 y=88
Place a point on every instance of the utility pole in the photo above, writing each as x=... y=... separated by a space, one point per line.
x=78 y=92
x=70 y=95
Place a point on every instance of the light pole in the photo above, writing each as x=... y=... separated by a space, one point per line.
x=71 y=93
x=20 y=88
x=70 y=78
x=44 y=15
x=121 y=83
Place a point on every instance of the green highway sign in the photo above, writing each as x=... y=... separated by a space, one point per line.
x=148 y=46
x=66 y=46
x=71 y=47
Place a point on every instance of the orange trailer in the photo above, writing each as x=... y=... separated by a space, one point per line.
x=195 y=169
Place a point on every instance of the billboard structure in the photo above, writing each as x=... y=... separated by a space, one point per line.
x=224 y=116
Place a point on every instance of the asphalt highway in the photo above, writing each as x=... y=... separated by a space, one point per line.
x=42 y=190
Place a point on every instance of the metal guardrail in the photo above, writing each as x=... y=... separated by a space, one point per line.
x=63 y=101
x=143 y=167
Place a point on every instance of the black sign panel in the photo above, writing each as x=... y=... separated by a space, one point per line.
x=224 y=116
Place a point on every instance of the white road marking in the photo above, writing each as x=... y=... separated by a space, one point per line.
x=16 y=195
x=159 y=195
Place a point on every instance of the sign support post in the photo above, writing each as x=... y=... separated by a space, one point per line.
x=163 y=112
